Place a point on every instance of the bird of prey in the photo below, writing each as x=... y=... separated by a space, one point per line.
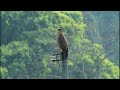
x=62 y=43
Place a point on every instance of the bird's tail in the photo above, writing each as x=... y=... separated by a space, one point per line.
x=65 y=54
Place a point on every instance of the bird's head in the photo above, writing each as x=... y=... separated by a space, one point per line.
x=60 y=29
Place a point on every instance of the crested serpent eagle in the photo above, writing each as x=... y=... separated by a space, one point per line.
x=62 y=43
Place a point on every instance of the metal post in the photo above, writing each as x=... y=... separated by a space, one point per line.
x=64 y=66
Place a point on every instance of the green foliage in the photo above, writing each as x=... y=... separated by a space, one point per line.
x=103 y=28
x=110 y=68
x=3 y=72
x=28 y=39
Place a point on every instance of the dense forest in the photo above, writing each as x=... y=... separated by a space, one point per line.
x=28 y=40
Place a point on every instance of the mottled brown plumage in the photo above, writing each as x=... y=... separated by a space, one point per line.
x=62 y=42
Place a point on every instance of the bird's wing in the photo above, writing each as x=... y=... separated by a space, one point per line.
x=62 y=42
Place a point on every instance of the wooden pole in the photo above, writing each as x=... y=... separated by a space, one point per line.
x=64 y=66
